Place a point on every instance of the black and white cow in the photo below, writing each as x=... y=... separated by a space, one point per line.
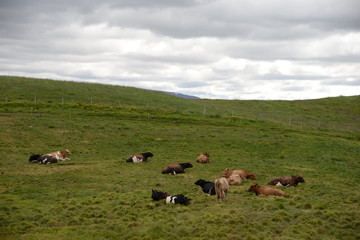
x=53 y=157
x=206 y=186
x=142 y=157
x=178 y=199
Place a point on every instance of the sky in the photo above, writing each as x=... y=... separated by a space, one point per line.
x=215 y=49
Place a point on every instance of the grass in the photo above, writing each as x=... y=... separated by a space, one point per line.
x=97 y=195
x=338 y=114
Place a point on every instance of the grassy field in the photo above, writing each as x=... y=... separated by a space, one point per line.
x=339 y=114
x=97 y=195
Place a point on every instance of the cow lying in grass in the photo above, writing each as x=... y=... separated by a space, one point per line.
x=221 y=188
x=286 y=181
x=207 y=187
x=203 y=158
x=242 y=173
x=234 y=179
x=176 y=168
x=178 y=199
x=262 y=190
x=157 y=195
x=142 y=157
x=53 y=157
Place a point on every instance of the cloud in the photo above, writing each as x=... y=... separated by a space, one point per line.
x=273 y=49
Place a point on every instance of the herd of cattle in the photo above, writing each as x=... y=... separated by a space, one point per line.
x=219 y=187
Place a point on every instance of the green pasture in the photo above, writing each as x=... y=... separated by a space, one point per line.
x=97 y=195
x=340 y=114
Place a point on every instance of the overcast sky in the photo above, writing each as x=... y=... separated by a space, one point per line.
x=225 y=49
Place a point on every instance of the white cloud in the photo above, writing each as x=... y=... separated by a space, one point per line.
x=273 y=49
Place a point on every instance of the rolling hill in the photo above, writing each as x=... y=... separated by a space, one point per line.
x=338 y=113
x=98 y=195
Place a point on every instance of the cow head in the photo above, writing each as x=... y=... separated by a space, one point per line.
x=226 y=173
x=200 y=182
x=182 y=199
x=253 y=187
x=34 y=157
x=186 y=165
x=65 y=153
x=251 y=176
x=148 y=154
x=206 y=154
x=157 y=195
x=299 y=179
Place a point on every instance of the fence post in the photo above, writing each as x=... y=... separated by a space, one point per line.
x=290 y=120
x=91 y=101
x=35 y=99
x=62 y=101
x=204 y=111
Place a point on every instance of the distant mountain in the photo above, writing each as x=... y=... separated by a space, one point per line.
x=180 y=95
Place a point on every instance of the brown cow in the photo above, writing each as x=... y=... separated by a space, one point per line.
x=221 y=187
x=203 y=158
x=265 y=190
x=242 y=173
x=286 y=181
x=176 y=168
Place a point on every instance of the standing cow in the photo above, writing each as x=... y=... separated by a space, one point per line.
x=221 y=188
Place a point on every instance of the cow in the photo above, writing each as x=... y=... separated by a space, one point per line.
x=286 y=181
x=176 y=168
x=203 y=158
x=221 y=188
x=178 y=199
x=262 y=190
x=141 y=157
x=157 y=195
x=234 y=179
x=242 y=173
x=53 y=157
x=207 y=187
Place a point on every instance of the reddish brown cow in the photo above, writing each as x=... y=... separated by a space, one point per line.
x=287 y=181
x=265 y=190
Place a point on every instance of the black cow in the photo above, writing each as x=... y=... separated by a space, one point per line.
x=207 y=187
x=178 y=199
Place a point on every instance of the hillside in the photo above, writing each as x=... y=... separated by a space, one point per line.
x=97 y=195
x=339 y=113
